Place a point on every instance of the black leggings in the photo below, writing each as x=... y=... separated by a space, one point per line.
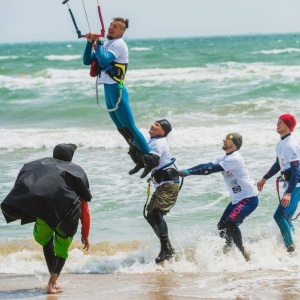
x=234 y=216
x=54 y=263
x=229 y=230
x=156 y=219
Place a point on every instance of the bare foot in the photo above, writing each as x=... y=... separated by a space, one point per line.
x=53 y=286
x=53 y=289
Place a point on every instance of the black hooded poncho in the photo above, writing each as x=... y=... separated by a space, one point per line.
x=49 y=189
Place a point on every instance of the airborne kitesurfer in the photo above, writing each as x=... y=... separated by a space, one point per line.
x=53 y=193
x=111 y=60
x=240 y=185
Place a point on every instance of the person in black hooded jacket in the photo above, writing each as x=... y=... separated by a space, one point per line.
x=53 y=192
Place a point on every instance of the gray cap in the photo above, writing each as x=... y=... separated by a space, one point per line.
x=236 y=138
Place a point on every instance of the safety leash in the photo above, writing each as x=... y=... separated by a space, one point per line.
x=280 y=179
x=148 y=195
x=119 y=99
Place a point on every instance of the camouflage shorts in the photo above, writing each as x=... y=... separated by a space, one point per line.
x=164 y=197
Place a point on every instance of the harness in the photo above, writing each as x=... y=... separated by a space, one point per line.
x=284 y=176
x=168 y=172
x=116 y=71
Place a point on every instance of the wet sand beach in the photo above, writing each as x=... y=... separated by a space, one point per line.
x=275 y=285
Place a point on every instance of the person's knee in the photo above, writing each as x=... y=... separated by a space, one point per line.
x=277 y=217
x=149 y=218
x=157 y=216
x=221 y=225
x=230 y=224
x=61 y=246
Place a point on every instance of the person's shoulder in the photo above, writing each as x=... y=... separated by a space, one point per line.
x=292 y=142
x=71 y=167
x=40 y=161
x=238 y=156
x=122 y=43
x=234 y=157
x=119 y=41
x=160 y=141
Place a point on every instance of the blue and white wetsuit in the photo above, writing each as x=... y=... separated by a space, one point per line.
x=288 y=158
x=116 y=50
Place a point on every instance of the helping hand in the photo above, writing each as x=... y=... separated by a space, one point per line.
x=184 y=173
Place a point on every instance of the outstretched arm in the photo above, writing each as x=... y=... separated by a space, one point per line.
x=202 y=169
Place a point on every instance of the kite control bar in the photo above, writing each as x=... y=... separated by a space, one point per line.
x=102 y=34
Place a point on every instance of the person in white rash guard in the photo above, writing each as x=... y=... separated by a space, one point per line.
x=287 y=161
x=164 y=174
x=240 y=185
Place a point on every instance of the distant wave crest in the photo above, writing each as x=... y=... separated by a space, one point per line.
x=277 y=51
x=140 y=49
x=8 y=57
x=63 y=57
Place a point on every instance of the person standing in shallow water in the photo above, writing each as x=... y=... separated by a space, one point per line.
x=53 y=193
x=287 y=160
x=240 y=185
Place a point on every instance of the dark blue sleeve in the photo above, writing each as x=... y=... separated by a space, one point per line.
x=274 y=169
x=205 y=169
x=88 y=55
x=295 y=169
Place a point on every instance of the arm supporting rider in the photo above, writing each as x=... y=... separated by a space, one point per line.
x=203 y=169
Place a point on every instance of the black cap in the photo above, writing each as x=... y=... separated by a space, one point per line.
x=166 y=126
x=236 y=138
x=64 y=152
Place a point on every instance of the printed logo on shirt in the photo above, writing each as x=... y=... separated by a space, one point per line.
x=237 y=189
x=234 y=182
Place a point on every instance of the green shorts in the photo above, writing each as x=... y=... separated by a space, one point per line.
x=164 y=197
x=43 y=233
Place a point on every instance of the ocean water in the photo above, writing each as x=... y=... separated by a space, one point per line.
x=206 y=87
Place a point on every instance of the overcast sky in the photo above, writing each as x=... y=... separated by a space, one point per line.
x=49 y=20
